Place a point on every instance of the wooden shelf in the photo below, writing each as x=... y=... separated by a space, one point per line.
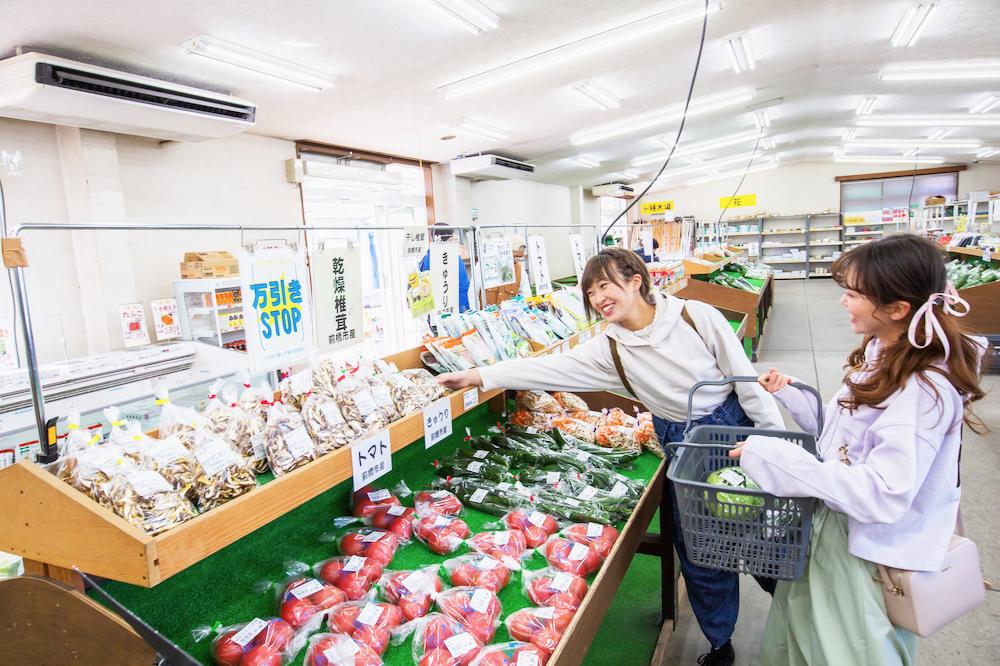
x=697 y=268
x=984 y=317
x=788 y=231
x=827 y=229
x=968 y=251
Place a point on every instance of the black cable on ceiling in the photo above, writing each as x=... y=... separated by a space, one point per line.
x=753 y=156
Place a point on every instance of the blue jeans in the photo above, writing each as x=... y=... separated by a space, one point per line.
x=714 y=594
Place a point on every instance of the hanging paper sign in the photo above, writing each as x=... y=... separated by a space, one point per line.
x=579 y=255
x=8 y=350
x=133 y=323
x=339 y=309
x=275 y=308
x=498 y=262
x=655 y=207
x=371 y=459
x=419 y=293
x=446 y=262
x=539 y=263
x=165 y=319
x=739 y=201
x=646 y=237
x=437 y=421
x=414 y=241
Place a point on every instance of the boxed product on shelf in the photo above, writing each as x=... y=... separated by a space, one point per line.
x=214 y=264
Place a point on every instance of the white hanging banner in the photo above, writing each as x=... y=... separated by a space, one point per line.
x=133 y=321
x=539 y=263
x=579 y=255
x=646 y=236
x=165 y=319
x=498 y=262
x=8 y=351
x=275 y=308
x=414 y=241
x=336 y=273
x=446 y=262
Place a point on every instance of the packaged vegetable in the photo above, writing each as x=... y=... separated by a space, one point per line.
x=366 y=501
x=511 y=653
x=382 y=396
x=475 y=607
x=537 y=420
x=574 y=558
x=173 y=461
x=582 y=430
x=357 y=404
x=326 y=425
x=505 y=545
x=235 y=425
x=441 y=502
x=147 y=500
x=537 y=401
x=441 y=534
x=370 y=623
x=286 y=442
x=570 y=402
x=395 y=518
x=542 y=627
x=302 y=598
x=325 y=374
x=353 y=574
x=255 y=399
x=77 y=438
x=407 y=396
x=425 y=382
x=441 y=640
x=595 y=419
x=620 y=437
x=296 y=388
x=221 y=474
x=458 y=465
x=174 y=419
x=551 y=587
x=617 y=416
x=260 y=642
x=412 y=590
x=535 y=525
x=339 y=650
x=376 y=544
x=599 y=537
x=478 y=570
x=488 y=497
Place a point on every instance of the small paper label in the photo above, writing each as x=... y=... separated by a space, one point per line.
x=571 y=501
x=480 y=600
x=331 y=414
x=501 y=538
x=299 y=444
x=578 y=552
x=560 y=582
x=503 y=485
x=415 y=581
x=396 y=510
x=301 y=382
x=481 y=453
x=379 y=495
x=147 y=483
x=588 y=493
x=311 y=586
x=478 y=496
x=354 y=564
x=364 y=402
x=440 y=494
x=168 y=451
x=470 y=400
x=372 y=537
x=460 y=644
x=552 y=478
x=215 y=457
x=618 y=490
x=371 y=459
x=531 y=430
x=442 y=521
x=487 y=563
x=344 y=648
x=594 y=530
x=257 y=442
x=537 y=518
x=370 y=614
x=527 y=659
x=475 y=467
x=437 y=422
x=582 y=456
x=382 y=396
x=249 y=632
x=545 y=612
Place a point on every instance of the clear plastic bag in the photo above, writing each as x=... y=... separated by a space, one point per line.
x=353 y=574
x=442 y=640
x=582 y=430
x=263 y=641
x=478 y=570
x=370 y=623
x=395 y=518
x=376 y=544
x=440 y=502
x=504 y=545
x=616 y=437
x=412 y=590
x=574 y=558
x=542 y=627
x=407 y=396
x=300 y=599
x=537 y=401
x=511 y=653
x=369 y=499
x=235 y=426
x=296 y=388
x=425 y=382
x=119 y=436
x=90 y=469
x=595 y=419
x=617 y=416
x=147 y=500
x=536 y=526
x=475 y=607
x=221 y=474
x=541 y=421
x=326 y=424
x=286 y=441
x=601 y=538
x=571 y=402
x=77 y=438
x=325 y=377
x=174 y=420
x=550 y=587
x=382 y=396
x=339 y=650
x=357 y=404
x=441 y=534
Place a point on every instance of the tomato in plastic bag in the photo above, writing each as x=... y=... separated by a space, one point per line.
x=602 y=543
x=441 y=502
x=354 y=583
x=558 y=589
x=535 y=525
x=469 y=575
x=368 y=500
x=476 y=607
x=366 y=622
x=379 y=545
x=503 y=544
x=296 y=612
x=542 y=627
x=339 y=650
x=262 y=655
x=413 y=603
x=396 y=519
x=574 y=558
x=442 y=534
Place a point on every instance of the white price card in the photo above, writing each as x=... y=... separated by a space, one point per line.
x=527 y=659
x=372 y=537
x=311 y=586
x=165 y=319
x=537 y=518
x=545 y=612
x=459 y=644
x=470 y=400
x=503 y=486
x=475 y=467
x=396 y=510
x=501 y=538
x=487 y=563
x=478 y=496
x=561 y=581
x=552 y=478
x=257 y=442
x=249 y=632
x=594 y=530
x=379 y=495
x=354 y=564
x=437 y=421
x=299 y=443
x=481 y=454
x=618 y=490
x=371 y=459
x=370 y=614
x=578 y=552
x=480 y=601
x=588 y=493
x=133 y=325
x=148 y=483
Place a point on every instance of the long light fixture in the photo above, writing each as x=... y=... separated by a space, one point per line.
x=255 y=61
x=761 y=119
x=585 y=162
x=732 y=174
x=627 y=174
x=849 y=134
x=598 y=95
x=481 y=130
x=954 y=144
x=988 y=152
x=930 y=120
x=712 y=164
x=912 y=24
x=741 y=53
x=659 y=117
x=942 y=71
x=866 y=105
x=986 y=104
x=471 y=14
x=912 y=153
x=699 y=147
x=887 y=159
x=693 y=9
x=938 y=134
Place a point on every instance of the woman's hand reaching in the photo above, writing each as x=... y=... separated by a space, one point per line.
x=773 y=381
x=460 y=380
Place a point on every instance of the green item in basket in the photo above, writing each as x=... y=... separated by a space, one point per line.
x=746 y=506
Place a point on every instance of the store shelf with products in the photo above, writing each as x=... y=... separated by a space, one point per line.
x=984 y=317
x=210 y=310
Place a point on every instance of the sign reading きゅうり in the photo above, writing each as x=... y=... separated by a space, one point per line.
x=655 y=207
x=539 y=263
x=446 y=262
x=339 y=310
x=275 y=308
x=437 y=421
x=133 y=321
x=498 y=262
x=414 y=241
x=579 y=255
x=371 y=459
x=739 y=201
x=165 y=319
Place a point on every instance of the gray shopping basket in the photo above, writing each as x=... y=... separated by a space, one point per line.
x=741 y=530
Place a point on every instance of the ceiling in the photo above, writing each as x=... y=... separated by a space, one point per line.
x=821 y=57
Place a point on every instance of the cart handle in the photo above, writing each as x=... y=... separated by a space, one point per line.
x=747 y=379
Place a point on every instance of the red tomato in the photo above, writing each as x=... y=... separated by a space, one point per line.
x=401 y=525
x=354 y=583
x=441 y=534
x=494 y=659
x=328 y=597
x=558 y=551
x=530 y=649
x=509 y=543
x=524 y=624
x=225 y=652
x=457 y=603
x=535 y=535
x=296 y=612
x=411 y=604
x=262 y=655
x=364 y=656
x=363 y=505
x=469 y=575
x=377 y=638
x=601 y=544
x=438 y=657
x=547 y=639
x=541 y=593
x=382 y=550
x=277 y=635
x=440 y=502
x=481 y=625
x=343 y=618
x=437 y=629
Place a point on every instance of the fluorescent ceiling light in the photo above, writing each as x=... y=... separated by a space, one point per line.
x=689 y=149
x=479 y=129
x=255 y=61
x=625 y=175
x=693 y=9
x=667 y=141
x=732 y=174
x=767 y=143
x=597 y=94
x=956 y=144
x=912 y=24
x=988 y=152
x=761 y=119
x=912 y=153
x=930 y=120
x=937 y=71
x=887 y=159
x=849 y=134
x=723 y=161
x=348 y=174
x=938 y=134
x=866 y=105
x=585 y=162
x=985 y=104
x=473 y=15
x=839 y=151
x=741 y=53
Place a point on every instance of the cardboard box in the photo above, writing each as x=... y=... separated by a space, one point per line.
x=218 y=264
x=934 y=201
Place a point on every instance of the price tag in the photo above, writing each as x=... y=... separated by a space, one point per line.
x=441 y=521
x=572 y=501
x=371 y=459
x=311 y=586
x=537 y=518
x=214 y=458
x=561 y=581
x=503 y=485
x=527 y=659
x=470 y=399
x=370 y=614
x=437 y=421
x=578 y=552
x=459 y=644
x=487 y=563
x=552 y=478
x=415 y=581
x=301 y=382
x=480 y=600
x=618 y=490
x=396 y=510
x=344 y=648
x=168 y=450
x=147 y=483
x=481 y=454
x=594 y=530
x=372 y=537
x=364 y=401
x=440 y=494
x=331 y=413
x=501 y=538
x=588 y=493
x=987 y=253
x=354 y=564
x=299 y=444
x=475 y=467
x=531 y=430
x=379 y=495
x=257 y=442
x=545 y=612
x=478 y=496
x=249 y=632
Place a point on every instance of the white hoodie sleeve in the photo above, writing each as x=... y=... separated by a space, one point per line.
x=586 y=367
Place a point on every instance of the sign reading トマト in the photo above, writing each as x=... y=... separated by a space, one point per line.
x=579 y=255
x=539 y=263
x=275 y=308
x=337 y=294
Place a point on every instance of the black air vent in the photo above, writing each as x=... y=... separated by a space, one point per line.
x=513 y=164
x=61 y=76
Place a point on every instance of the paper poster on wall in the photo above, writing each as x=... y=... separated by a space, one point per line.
x=446 y=262
x=275 y=308
x=739 y=201
x=414 y=241
x=539 y=264
x=133 y=325
x=579 y=255
x=8 y=350
x=165 y=319
x=339 y=309
x=498 y=262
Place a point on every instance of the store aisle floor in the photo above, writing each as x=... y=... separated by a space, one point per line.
x=808 y=335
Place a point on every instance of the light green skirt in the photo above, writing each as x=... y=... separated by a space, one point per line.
x=835 y=614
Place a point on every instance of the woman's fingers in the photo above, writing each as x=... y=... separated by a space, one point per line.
x=737 y=451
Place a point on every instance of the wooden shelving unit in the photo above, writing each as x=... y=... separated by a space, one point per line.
x=698 y=268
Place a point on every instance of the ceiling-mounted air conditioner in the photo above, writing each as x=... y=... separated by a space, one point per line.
x=490 y=167
x=613 y=190
x=54 y=90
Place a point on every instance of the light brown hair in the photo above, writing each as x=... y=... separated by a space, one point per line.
x=906 y=268
x=617 y=265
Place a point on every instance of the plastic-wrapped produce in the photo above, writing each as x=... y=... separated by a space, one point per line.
x=406 y=395
x=235 y=426
x=147 y=500
x=538 y=420
x=442 y=502
x=326 y=425
x=542 y=627
x=261 y=642
x=551 y=587
x=339 y=650
x=574 y=558
x=537 y=401
x=476 y=607
x=599 y=537
x=533 y=524
x=91 y=468
x=353 y=574
x=425 y=382
x=617 y=416
x=571 y=402
x=395 y=518
x=286 y=442
x=595 y=419
x=302 y=598
x=378 y=545
x=119 y=437
x=441 y=534
x=221 y=473
x=357 y=404
x=511 y=653
x=413 y=590
x=325 y=376
x=616 y=437
x=367 y=622
x=442 y=640
x=582 y=430
x=383 y=398
x=296 y=388
x=368 y=500
x=174 y=462
x=175 y=420
x=505 y=545
x=477 y=570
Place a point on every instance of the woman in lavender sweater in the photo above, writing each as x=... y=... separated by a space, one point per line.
x=888 y=476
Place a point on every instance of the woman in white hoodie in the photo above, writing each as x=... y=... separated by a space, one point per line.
x=656 y=347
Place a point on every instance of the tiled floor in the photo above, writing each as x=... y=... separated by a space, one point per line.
x=808 y=336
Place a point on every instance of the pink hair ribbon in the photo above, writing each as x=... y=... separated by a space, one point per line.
x=948 y=299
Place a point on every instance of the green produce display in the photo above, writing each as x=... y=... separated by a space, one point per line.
x=733 y=282
x=968 y=274
x=723 y=507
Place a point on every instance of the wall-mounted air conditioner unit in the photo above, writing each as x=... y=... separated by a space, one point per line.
x=53 y=90
x=613 y=190
x=490 y=167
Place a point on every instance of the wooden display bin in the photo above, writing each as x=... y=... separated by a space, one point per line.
x=984 y=318
x=754 y=306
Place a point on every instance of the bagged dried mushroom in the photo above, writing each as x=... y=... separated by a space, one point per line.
x=295 y=389
x=382 y=396
x=325 y=375
x=424 y=381
x=286 y=442
x=326 y=425
x=537 y=401
x=406 y=395
x=176 y=420
x=90 y=468
x=357 y=404
x=173 y=461
x=147 y=500
x=236 y=426
x=120 y=438
x=221 y=474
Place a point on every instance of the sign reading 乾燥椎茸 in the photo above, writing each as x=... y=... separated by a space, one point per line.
x=655 y=207
x=739 y=201
x=275 y=308
x=337 y=294
x=446 y=260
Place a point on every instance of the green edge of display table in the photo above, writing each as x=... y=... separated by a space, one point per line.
x=984 y=317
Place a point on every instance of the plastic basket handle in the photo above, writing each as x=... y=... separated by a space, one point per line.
x=749 y=379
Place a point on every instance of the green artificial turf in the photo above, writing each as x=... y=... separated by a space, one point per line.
x=221 y=588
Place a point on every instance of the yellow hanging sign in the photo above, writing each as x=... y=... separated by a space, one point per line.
x=656 y=207
x=739 y=201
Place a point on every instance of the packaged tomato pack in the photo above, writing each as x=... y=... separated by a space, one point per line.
x=512 y=653
x=574 y=558
x=534 y=525
x=339 y=650
x=260 y=642
x=353 y=574
x=300 y=599
x=369 y=623
x=478 y=570
x=542 y=627
x=503 y=545
x=412 y=590
x=476 y=607
x=599 y=537
x=366 y=501
x=376 y=544
x=550 y=587
x=441 y=640
x=397 y=519
x=441 y=502
x=441 y=534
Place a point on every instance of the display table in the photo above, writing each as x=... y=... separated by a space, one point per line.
x=756 y=307
x=984 y=318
